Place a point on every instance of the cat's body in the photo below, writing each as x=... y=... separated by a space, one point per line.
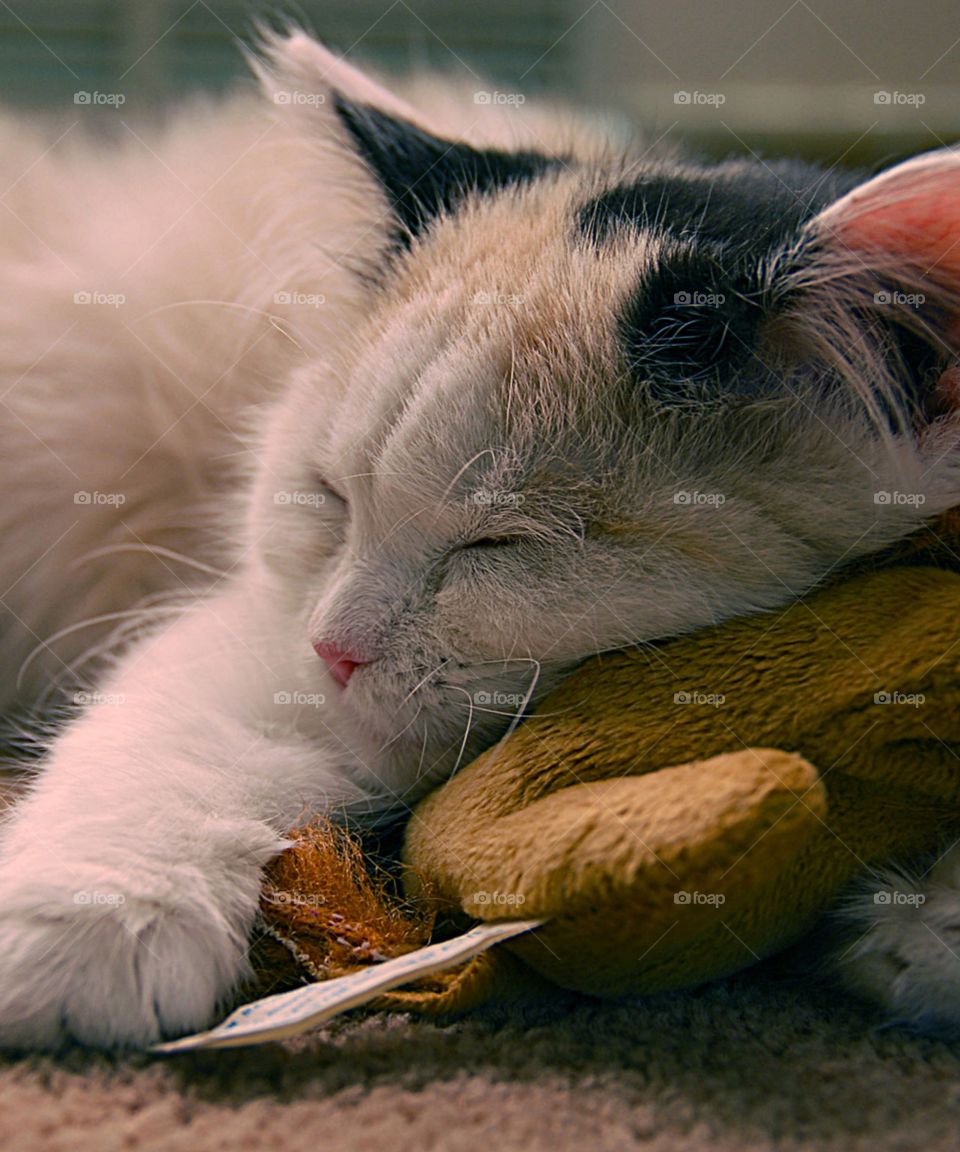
x=455 y=417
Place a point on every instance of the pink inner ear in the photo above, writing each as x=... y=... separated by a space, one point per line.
x=911 y=211
x=923 y=225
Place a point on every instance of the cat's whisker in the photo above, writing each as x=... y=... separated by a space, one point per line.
x=429 y=676
x=104 y=618
x=148 y=549
x=460 y=472
x=423 y=753
x=405 y=728
x=275 y=321
x=466 y=731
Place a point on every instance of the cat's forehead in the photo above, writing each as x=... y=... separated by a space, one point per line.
x=503 y=321
x=518 y=318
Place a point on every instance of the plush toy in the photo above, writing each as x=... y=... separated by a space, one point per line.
x=679 y=811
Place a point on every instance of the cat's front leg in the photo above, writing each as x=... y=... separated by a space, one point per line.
x=904 y=946
x=129 y=877
x=114 y=933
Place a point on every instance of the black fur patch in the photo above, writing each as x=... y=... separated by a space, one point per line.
x=423 y=175
x=690 y=328
x=740 y=203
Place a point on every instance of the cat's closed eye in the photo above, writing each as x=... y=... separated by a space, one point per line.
x=331 y=493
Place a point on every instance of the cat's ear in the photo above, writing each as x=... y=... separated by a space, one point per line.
x=876 y=294
x=908 y=214
x=424 y=175
x=421 y=174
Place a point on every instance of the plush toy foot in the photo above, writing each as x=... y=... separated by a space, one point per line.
x=907 y=955
x=645 y=884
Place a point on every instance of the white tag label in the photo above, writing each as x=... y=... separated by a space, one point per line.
x=288 y=1013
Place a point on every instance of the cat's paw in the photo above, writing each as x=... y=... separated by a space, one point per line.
x=119 y=963
x=905 y=950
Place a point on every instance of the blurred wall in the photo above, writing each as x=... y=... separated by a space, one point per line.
x=856 y=79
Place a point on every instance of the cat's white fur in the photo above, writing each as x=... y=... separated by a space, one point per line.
x=174 y=787
x=129 y=874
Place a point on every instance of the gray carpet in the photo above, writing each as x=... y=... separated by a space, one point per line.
x=759 y=1062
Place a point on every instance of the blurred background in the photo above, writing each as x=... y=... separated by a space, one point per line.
x=853 y=81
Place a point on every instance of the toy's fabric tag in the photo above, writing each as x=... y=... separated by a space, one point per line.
x=288 y=1013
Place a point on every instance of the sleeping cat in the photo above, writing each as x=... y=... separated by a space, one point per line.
x=328 y=422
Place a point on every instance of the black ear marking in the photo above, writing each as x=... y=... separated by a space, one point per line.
x=424 y=175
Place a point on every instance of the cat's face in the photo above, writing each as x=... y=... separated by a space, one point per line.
x=579 y=415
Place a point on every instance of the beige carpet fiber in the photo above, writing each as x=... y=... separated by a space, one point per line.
x=756 y=1063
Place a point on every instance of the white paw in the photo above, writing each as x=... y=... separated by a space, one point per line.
x=905 y=954
x=119 y=958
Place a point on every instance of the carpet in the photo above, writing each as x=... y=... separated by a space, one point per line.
x=762 y=1061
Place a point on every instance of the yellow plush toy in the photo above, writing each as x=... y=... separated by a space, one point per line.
x=680 y=811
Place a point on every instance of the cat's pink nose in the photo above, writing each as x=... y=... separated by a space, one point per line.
x=342 y=663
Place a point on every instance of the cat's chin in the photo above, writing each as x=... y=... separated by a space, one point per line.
x=414 y=753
